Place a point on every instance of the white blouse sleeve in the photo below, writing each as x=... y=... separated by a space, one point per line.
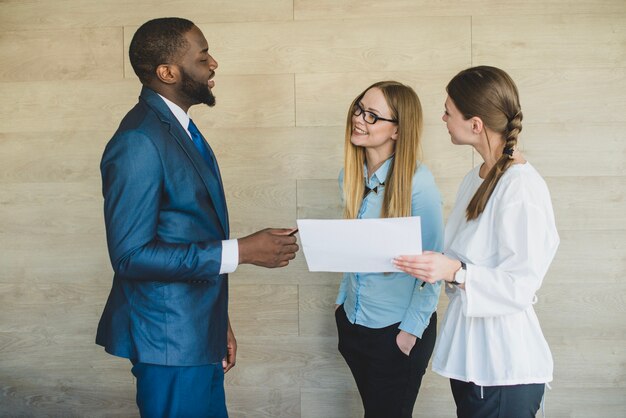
x=527 y=240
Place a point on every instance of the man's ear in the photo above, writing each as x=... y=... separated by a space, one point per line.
x=167 y=73
x=477 y=125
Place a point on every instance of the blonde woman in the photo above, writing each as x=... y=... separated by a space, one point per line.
x=500 y=240
x=387 y=322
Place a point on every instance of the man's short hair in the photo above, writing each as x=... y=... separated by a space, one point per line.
x=156 y=42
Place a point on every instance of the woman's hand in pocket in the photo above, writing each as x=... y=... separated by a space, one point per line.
x=405 y=342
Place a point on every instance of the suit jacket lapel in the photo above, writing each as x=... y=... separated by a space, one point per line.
x=212 y=183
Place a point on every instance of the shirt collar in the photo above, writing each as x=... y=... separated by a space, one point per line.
x=379 y=175
x=179 y=114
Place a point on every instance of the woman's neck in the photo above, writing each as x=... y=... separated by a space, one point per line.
x=490 y=149
x=374 y=160
x=491 y=155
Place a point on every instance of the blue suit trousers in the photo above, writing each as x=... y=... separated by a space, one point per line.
x=180 y=392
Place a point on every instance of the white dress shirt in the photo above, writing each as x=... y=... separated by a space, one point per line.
x=230 y=248
x=490 y=334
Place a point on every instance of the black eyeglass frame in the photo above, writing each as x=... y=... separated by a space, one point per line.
x=359 y=111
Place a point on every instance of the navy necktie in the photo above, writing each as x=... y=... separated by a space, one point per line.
x=208 y=156
x=202 y=146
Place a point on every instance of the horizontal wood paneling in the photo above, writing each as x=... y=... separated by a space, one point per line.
x=571 y=360
x=263 y=402
x=571 y=96
x=559 y=302
x=572 y=265
x=589 y=203
x=316 y=305
x=336 y=46
x=323 y=99
x=289 y=362
x=18 y=14
x=28 y=399
x=584 y=402
x=550 y=41
x=319 y=199
x=365 y=9
x=67 y=156
x=72 y=54
x=263 y=310
x=54 y=256
x=575 y=149
x=44 y=107
x=71 y=208
x=432 y=402
x=255 y=204
x=287 y=73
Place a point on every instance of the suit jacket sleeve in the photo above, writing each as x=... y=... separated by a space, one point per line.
x=132 y=178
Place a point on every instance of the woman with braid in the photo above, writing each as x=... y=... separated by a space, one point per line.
x=500 y=239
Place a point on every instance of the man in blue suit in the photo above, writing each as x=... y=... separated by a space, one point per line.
x=168 y=235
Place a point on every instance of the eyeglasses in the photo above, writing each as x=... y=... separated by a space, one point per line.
x=369 y=117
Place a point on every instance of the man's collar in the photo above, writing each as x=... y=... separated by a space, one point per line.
x=179 y=113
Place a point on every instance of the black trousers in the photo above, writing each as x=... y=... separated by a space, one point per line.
x=515 y=401
x=388 y=380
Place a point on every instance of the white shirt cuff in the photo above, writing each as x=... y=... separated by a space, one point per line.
x=230 y=256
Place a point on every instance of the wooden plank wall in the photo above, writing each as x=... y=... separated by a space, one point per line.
x=288 y=69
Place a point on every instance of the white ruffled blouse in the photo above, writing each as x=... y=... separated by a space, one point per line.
x=490 y=334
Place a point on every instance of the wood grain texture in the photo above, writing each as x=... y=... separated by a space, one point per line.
x=573 y=150
x=316 y=305
x=336 y=46
x=70 y=156
x=589 y=203
x=561 y=41
x=589 y=257
x=558 y=303
x=17 y=14
x=46 y=106
x=365 y=9
x=256 y=204
x=323 y=99
x=432 y=402
x=287 y=73
x=305 y=362
x=571 y=96
x=264 y=310
x=263 y=402
x=71 y=54
x=277 y=153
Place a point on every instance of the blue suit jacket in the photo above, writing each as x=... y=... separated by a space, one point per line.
x=168 y=304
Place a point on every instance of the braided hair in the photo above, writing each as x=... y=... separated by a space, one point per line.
x=490 y=94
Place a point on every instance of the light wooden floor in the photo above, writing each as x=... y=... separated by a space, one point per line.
x=287 y=71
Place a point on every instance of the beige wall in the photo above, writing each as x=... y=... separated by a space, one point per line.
x=288 y=69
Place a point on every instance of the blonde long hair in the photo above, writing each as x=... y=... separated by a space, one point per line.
x=406 y=108
x=490 y=94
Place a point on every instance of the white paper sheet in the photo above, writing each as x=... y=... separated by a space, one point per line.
x=358 y=245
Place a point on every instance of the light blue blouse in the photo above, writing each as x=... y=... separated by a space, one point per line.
x=377 y=300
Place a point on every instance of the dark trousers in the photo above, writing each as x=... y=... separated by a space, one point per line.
x=388 y=380
x=516 y=401
x=180 y=392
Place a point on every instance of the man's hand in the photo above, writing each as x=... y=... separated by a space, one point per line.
x=231 y=350
x=268 y=248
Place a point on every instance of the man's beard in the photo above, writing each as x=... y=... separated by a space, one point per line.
x=196 y=92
